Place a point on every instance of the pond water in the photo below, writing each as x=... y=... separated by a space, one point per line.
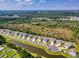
x=36 y=50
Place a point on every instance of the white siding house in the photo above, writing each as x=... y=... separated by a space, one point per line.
x=39 y=40
x=34 y=38
x=68 y=45
x=72 y=52
x=24 y=36
x=28 y=37
x=53 y=48
x=52 y=41
x=45 y=40
x=59 y=42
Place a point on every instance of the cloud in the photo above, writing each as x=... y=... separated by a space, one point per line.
x=24 y=3
x=43 y=1
x=38 y=4
x=15 y=4
x=18 y=0
x=28 y=0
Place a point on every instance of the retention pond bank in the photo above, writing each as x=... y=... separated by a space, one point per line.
x=36 y=50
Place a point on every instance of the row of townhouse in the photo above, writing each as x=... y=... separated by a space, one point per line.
x=54 y=45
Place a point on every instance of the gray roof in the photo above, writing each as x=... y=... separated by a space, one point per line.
x=34 y=37
x=68 y=44
x=30 y=35
x=53 y=48
x=10 y=32
x=52 y=39
x=45 y=39
x=60 y=41
x=17 y=33
x=72 y=52
x=23 y=34
x=39 y=39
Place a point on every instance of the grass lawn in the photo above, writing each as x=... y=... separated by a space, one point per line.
x=9 y=54
x=4 y=51
x=16 y=56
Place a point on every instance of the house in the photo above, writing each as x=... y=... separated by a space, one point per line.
x=17 y=33
x=7 y=32
x=39 y=39
x=68 y=45
x=52 y=41
x=4 y=31
x=72 y=52
x=28 y=37
x=64 y=50
x=24 y=35
x=45 y=40
x=34 y=38
x=61 y=48
x=59 y=42
x=53 y=48
x=20 y=35
x=73 y=18
x=1 y=31
x=11 y=33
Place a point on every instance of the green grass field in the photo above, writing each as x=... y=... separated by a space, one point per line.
x=12 y=53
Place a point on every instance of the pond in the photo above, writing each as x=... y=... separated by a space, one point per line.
x=36 y=50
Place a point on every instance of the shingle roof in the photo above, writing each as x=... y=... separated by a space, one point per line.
x=34 y=37
x=68 y=44
x=52 y=39
x=53 y=48
x=46 y=39
x=17 y=33
x=72 y=52
x=59 y=41
x=23 y=34
x=10 y=32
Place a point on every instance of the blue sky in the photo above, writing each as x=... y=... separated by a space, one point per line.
x=39 y=4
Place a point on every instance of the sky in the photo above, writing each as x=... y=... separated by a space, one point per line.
x=39 y=4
